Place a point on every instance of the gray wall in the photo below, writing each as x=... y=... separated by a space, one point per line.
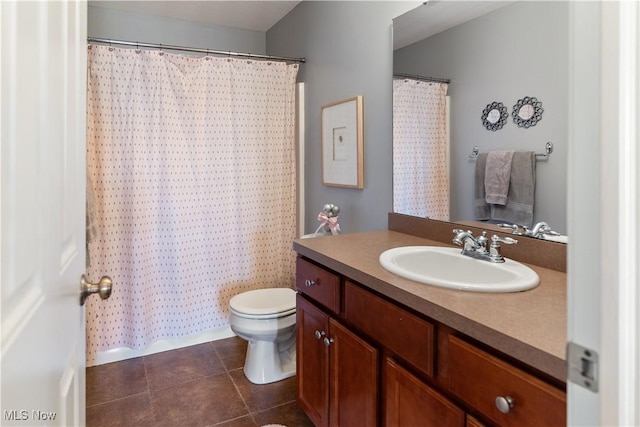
x=123 y=25
x=517 y=51
x=349 y=52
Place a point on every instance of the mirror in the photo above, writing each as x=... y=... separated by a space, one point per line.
x=527 y=112
x=494 y=116
x=473 y=44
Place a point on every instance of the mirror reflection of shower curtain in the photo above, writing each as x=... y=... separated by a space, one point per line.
x=193 y=165
x=420 y=149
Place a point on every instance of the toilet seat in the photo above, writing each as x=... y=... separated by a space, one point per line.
x=264 y=303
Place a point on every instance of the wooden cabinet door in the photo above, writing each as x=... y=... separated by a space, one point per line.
x=354 y=379
x=473 y=422
x=411 y=402
x=312 y=362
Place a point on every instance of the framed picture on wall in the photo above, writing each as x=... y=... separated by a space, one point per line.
x=343 y=143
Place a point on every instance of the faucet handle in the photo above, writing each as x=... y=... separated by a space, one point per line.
x=545 y=229
x=495 y=240
x=494 y=251
x=513 y=227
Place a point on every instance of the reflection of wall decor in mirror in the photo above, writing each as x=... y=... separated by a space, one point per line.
x=527 y=112
x=460 y=53
x=342 y=143
x=494 y=116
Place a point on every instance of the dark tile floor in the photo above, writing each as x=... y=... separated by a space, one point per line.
x=202 y=385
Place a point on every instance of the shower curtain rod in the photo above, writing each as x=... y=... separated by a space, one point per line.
x=194 y=49
x=422 y=78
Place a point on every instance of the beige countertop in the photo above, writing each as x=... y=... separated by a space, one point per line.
x=529 y=326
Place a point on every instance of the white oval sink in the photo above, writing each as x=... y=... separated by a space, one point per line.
x=448 y=268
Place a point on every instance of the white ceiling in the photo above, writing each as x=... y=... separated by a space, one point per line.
x=259 y=15
x=248 y=15
x=435 y=16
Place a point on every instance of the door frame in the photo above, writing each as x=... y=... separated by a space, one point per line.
x=604 y=208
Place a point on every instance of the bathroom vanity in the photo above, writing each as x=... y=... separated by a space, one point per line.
x=376 y=349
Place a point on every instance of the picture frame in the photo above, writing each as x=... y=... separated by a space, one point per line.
x=343 y=143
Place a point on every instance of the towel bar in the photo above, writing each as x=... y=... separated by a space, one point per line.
x=548 y=149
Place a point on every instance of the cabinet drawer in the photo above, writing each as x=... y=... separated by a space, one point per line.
x=408 y=336
x=479 y=378
x=319 y=284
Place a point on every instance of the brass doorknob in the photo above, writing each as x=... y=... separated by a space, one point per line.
x=103 y=288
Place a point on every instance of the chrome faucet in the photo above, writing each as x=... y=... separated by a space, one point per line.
x=476 y=247
x=538 y=230
x=465 y=239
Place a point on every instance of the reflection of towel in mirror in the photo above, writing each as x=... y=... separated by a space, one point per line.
x=497 y=176
x=521 y=195
x=481 y=209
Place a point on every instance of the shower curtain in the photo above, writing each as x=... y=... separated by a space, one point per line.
x=420 y=149
x=192 y=162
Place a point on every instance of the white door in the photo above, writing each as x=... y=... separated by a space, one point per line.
x=604 y=209
x=42 y=123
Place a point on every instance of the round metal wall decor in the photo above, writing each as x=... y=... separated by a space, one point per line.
x=527 y=112
x=494 y=116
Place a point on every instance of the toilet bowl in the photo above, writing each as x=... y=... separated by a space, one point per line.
x=266 y=318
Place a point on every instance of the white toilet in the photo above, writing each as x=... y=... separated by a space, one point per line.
x=266 y=318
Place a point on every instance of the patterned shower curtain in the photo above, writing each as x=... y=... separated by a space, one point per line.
x=192 y=162
x=420 y=171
